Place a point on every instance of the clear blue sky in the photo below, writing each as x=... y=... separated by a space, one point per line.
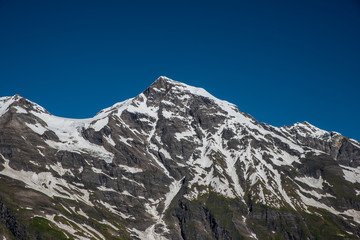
x=280 y=61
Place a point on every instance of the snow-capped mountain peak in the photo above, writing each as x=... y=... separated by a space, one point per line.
x=175 y=162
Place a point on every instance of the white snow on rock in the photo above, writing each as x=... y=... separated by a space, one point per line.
x=82 y=213
x=37 y=128
x=82 y=146
x=79 y=231
x=309 y=130
x=142 y=108
x=130 y=169
x=212 y=166
x=47 y=184
x=133 y=181
x=311 y=182
x=168 y=114
x=105 y=189
x=105 y=222
x=234 y=115
x=69 y=130
x=34 y=163
x=99 y=171
x=353 y=214
x=109 y=140
x=354 y=142
x=60 y=170
x=184 y=135
x=306 y=129
x=148 y=234
x=166 y=153
x=314 y=203
x=126 y=140
x=253 y=236
x=20 y=110
x=314 y=193
x=351 y=174
x=174 y=189
x=114 y=209
x=99 y=123
x=5 y=103
x=39 y=151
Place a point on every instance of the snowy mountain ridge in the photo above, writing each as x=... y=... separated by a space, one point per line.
x=143 y=167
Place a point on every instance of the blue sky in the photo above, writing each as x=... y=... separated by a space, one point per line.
x=280 y=61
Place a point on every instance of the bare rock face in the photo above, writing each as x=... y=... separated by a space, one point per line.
x=173 y=163
x=10 y=223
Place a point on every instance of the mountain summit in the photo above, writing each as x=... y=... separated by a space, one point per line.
x=173 y=163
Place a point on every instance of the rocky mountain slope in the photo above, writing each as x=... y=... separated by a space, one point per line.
x=173 y=163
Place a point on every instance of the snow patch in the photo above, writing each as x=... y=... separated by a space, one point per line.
x=109 y=224
x=351 y=174
x=34 y=163
x=184 y=135
x=127 y=194
x=69 y=132
x=60 y=170
x=20 y=110
x=132 y=181
x=125 y=140
x=41 y=153
x=99 y=171
x=130 y=169
x=47 y=184
x=174 y=189
x=109 y=140
x=354 y=142
x=311 y=182
x=354 y=214
x=5 y=103
x=105 y=189
x=114 y=210
x=99 y=124
x=73 y=228
x=166 y=153
x=82 y=213
x=312 y=202
x=142 y=108
x=37 y=128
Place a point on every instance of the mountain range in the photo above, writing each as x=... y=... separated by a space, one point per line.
x=173 y=163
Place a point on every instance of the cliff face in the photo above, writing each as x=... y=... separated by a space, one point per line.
x=173 y=163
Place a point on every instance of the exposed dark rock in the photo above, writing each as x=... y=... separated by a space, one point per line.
x=11 y=223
